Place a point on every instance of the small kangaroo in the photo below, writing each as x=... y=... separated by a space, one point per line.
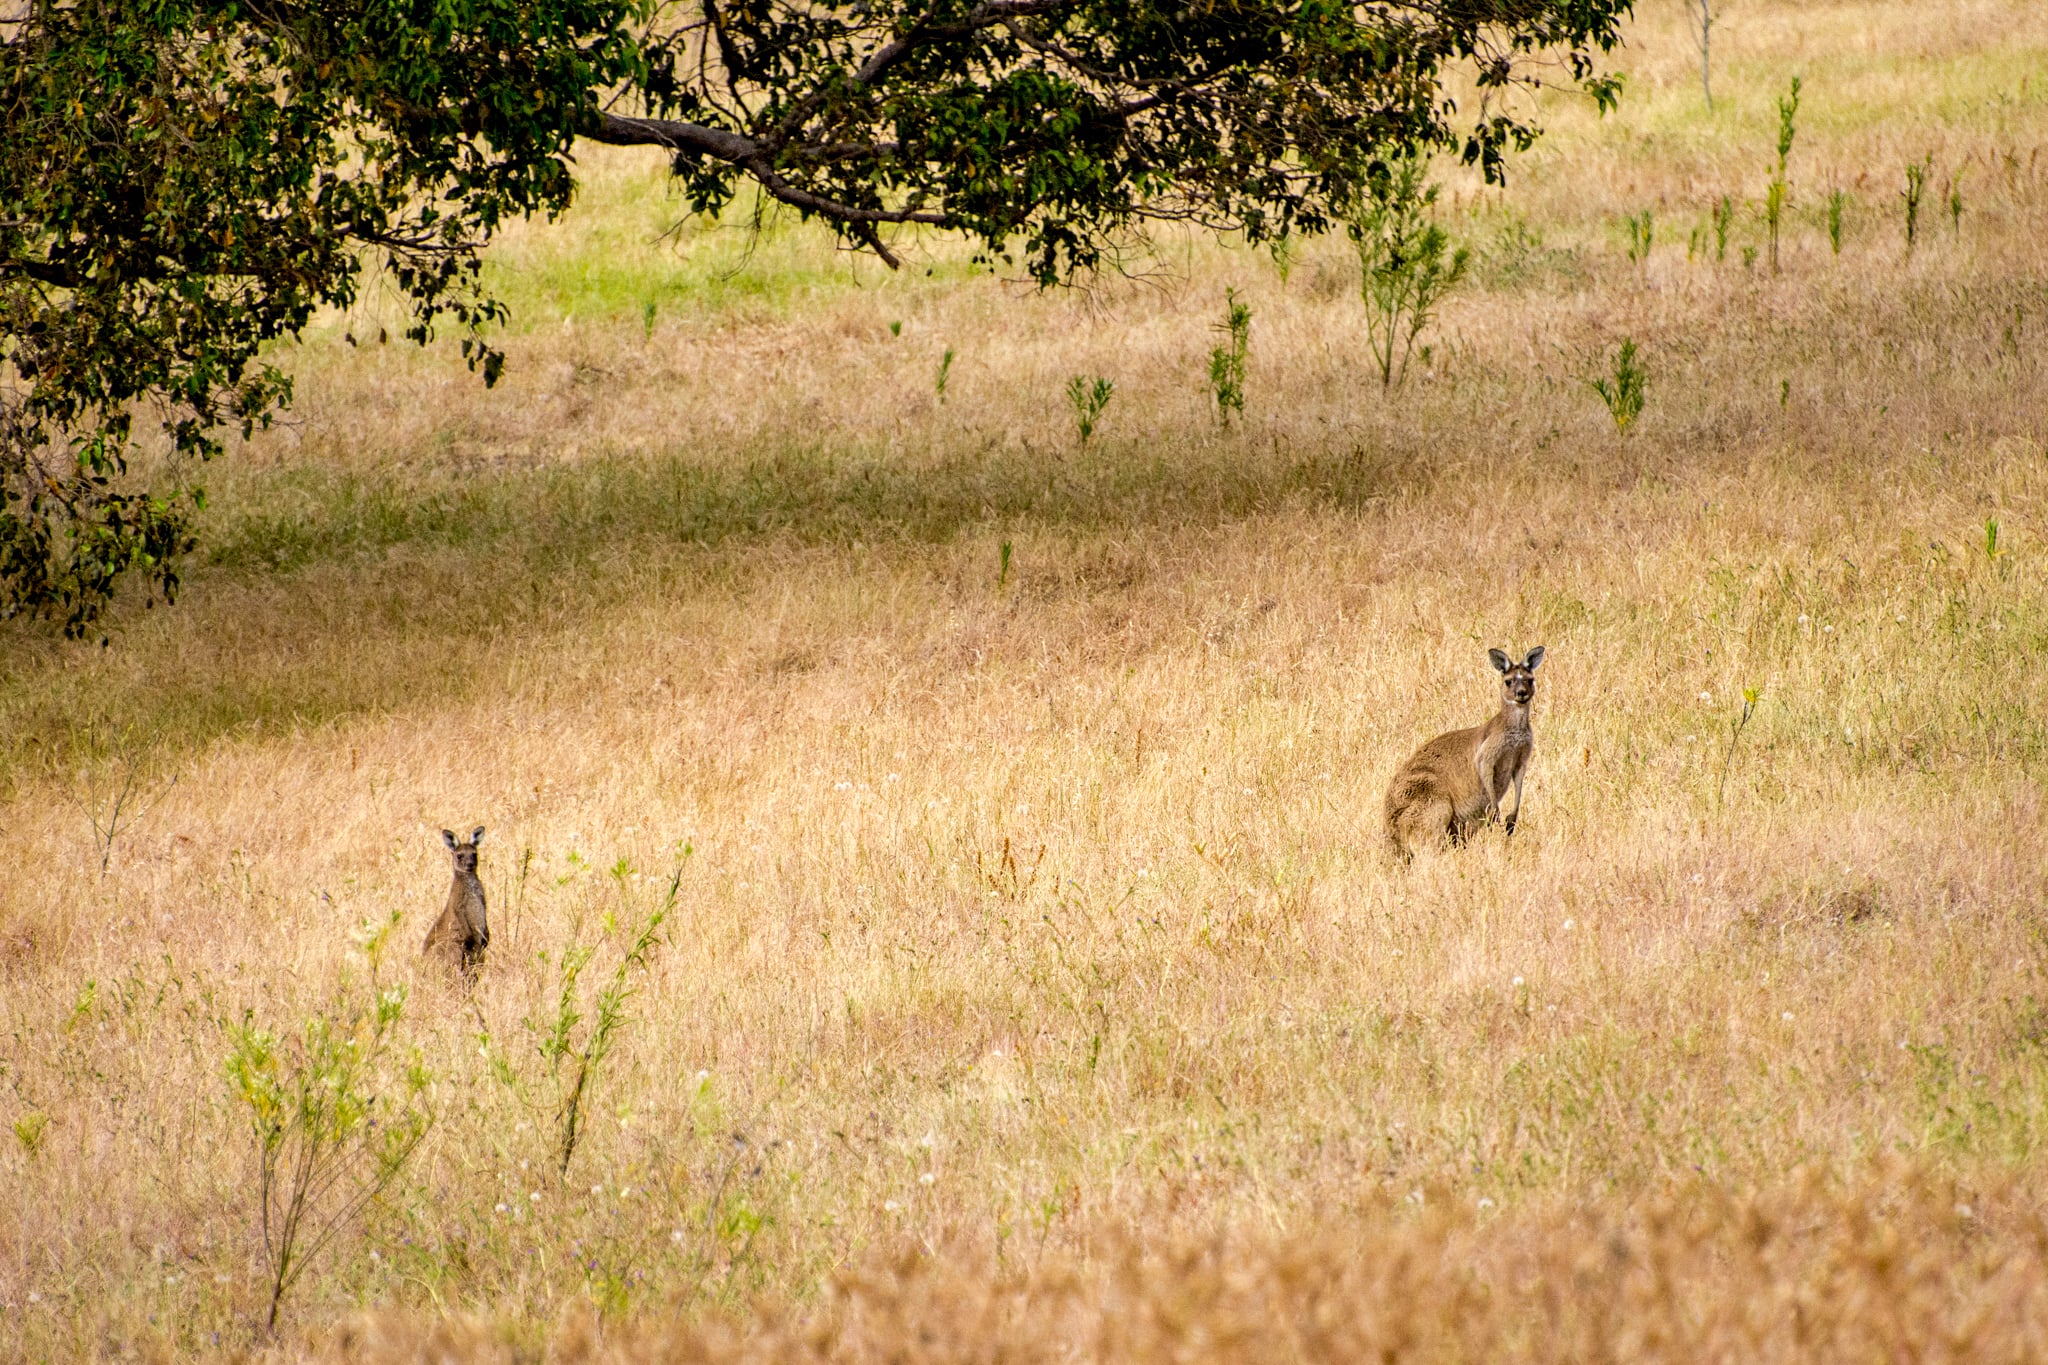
x=462 y=933
x=1457 y=780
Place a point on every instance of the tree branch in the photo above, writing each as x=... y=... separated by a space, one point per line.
x=621 y=130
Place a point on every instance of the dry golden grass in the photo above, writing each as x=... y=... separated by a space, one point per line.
x=1037 y=986
x=1903 y=1271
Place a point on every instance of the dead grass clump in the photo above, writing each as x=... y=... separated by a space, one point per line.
x=1891 y=1264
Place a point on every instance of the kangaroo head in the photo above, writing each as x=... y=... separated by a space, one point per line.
x=464 y=850
x=1517 y=680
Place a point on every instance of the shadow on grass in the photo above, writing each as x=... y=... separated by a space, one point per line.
x=322 y=594
x=562 y=513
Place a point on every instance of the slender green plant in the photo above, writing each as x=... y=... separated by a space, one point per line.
x=945 y=369
x=1623 y=393
x=116 y=797
x=1640 y=235
x=29 y=1130
x=1955 y=205
x=1916 y=189
x=337 y=1108
x=1775 y=194
x=647 y=312
x=1999 y=556
x=1838 y=200
x=1736 y=726
x=1227 y=363
x=1088 y=398
x=1003 y=554
x=1724 y=218
x=573 y=1037
x=1406 y=264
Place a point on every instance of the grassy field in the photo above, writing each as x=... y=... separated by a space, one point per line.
x=1031 y=981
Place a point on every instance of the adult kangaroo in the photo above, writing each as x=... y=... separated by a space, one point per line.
x=460 y=936
x=1456 y=781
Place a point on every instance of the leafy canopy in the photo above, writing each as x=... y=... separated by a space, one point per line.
x=183 y=182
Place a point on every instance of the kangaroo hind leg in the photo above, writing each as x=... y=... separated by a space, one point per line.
x=1427 y=824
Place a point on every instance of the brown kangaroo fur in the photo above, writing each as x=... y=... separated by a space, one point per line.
x=1456 y=781
x=460 y=936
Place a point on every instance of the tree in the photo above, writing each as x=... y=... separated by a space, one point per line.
x=1064 y=122
x=182 y=182
x=1700 y=14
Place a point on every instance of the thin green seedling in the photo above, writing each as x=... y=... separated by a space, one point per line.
x=1624 y=392
x=1838 y=200
x=1227 y=363
x=1003 y=563
x=1776 y=193
x=945 y=371
x=1088 y=397
x=587 y=1054
x=29 y=1130
x=1407 y=265
x=1955 y=205
x=647 y=312
x=1999 y=556
x=115 y=799
x=338 y=1108
x=1724 y=219
x=1916 y=189
x=1736 y=726
x=574 y=1036
x=1641 y=233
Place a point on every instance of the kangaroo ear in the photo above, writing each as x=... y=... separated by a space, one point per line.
x=448 y=837
x=478 y=837
x=1500 y=660
x=1535 y=658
